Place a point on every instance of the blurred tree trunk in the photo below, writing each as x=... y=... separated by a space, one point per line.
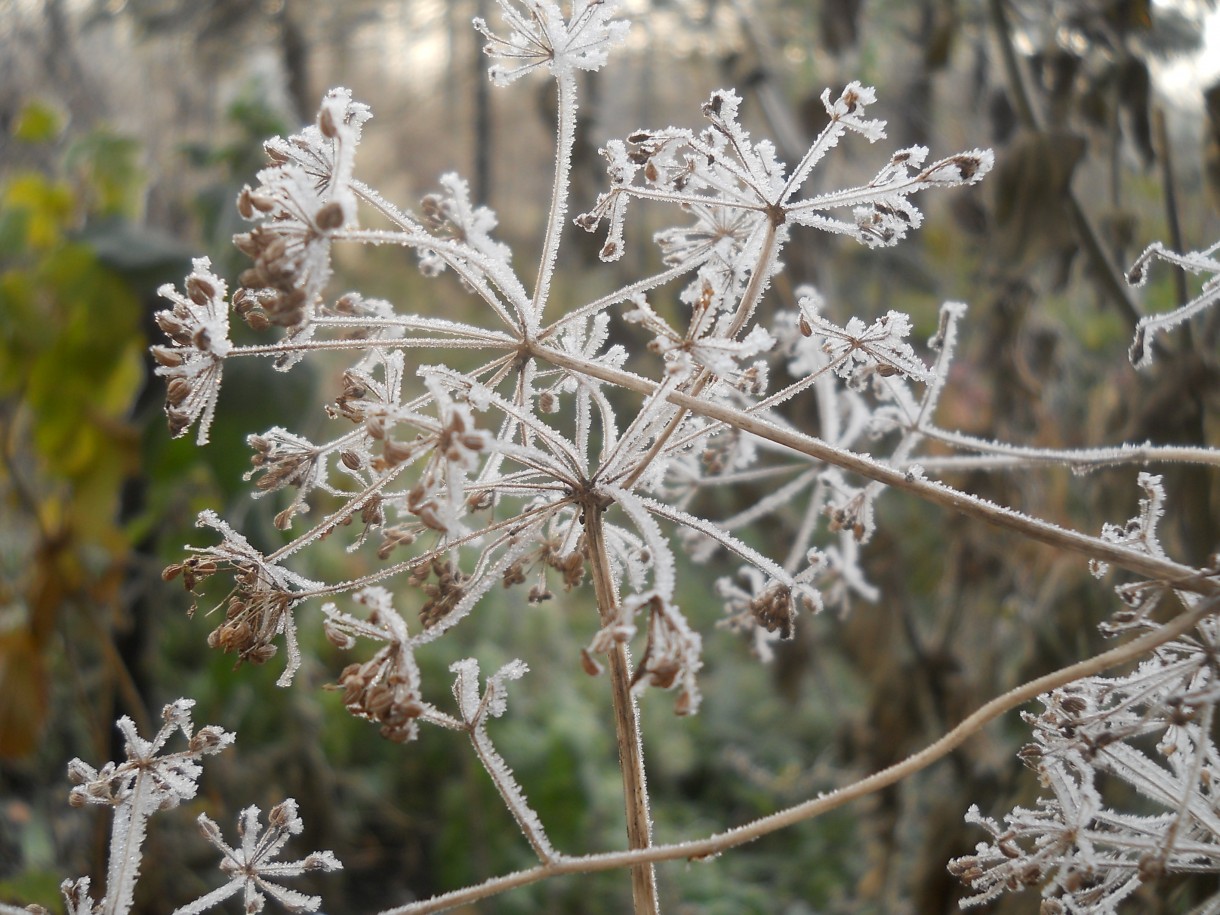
x=482 y=118
x=294 y=53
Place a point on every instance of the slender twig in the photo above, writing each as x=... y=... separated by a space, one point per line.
x=716 y=844
x=1169 y=190
x=559 y=192
x=937 y=493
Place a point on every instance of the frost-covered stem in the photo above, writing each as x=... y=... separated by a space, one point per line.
x=559 y=191
x=716 y=844
x=127 y=831
x=758 y=279
x=626 y=719
x=1002 y=455
x=1151 y=567
x=510 y=791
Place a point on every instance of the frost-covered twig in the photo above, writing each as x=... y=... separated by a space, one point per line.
x=700 y=849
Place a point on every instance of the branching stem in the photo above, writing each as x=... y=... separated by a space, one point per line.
x=716 y=844
x=1151 y=567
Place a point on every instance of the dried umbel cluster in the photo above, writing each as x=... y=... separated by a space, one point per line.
x=551 y=466
x=472 y=471
x=153 y=779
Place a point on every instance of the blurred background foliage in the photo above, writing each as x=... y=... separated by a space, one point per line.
x=127 y=128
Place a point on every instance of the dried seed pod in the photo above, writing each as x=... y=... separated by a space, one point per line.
x=326 y=123
x=167 y=356
x=589 y=663
x=178 y=390
x=330 y=217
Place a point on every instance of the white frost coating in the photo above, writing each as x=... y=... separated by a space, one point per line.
x=1197 y=262
x=541 y=37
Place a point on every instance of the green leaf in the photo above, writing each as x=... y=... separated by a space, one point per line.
x=37 y=122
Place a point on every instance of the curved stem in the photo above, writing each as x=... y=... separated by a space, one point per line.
x=715 y=844
x=559 y=192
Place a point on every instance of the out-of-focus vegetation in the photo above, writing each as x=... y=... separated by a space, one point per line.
x=150 y=121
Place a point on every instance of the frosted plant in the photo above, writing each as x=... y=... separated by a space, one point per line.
x=1197 y=262
x=153 y=779
x=552 y=462
x=1150 y=729
x=252 y=865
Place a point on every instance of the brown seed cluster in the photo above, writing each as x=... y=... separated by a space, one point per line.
x=773 y=609
x=188 y=385
x=669 y=656
x=443 y=594
x=382 y=689
x=848 y=516
x=279 y=463
x=570 y=566
x=252 y=620
x=272 y=281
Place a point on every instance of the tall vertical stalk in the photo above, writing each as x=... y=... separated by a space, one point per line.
x=566 y=84
x=626 y=719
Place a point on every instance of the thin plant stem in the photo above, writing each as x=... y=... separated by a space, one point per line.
x=716 y=844
x=1152 y=567
x=626 y=719
x=559 y=193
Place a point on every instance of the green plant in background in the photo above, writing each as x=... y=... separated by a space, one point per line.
x=71 y=368
x=563 y=458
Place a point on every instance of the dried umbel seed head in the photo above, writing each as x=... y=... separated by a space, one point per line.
x=232 y=636
x=281 y=815
x=200 y=290
x=207 y=738
x=326 y=123
x=514 y=575
x=371 y=512
x=392 y=538
x=773 y=610
x=250 y=204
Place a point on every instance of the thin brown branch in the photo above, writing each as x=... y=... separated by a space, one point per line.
x=716 y=844
x=626 y=720
x=1151 y=567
